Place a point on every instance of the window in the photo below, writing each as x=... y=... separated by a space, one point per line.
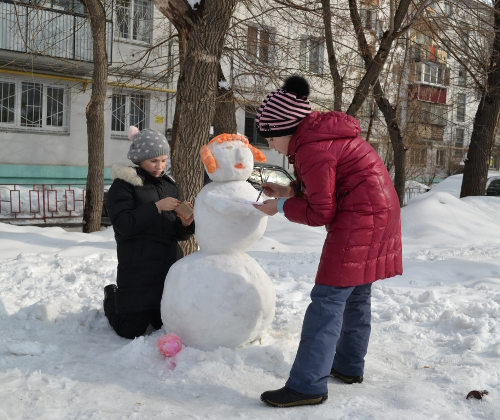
x=260 y=44
x=431 y=113
x=448 y=9
x=459 y=141
x=134 y=19
x=461 y=107
x=369 y=18
x=135 y=107
x=7 y=97
x=440 y=157
x=311 y=55
x=462 y=76
x=465 y=41
x=33 y=106
x=430 y=73
x=66 y=5
x=418 y=157
x=250 y=129
x=494 y=165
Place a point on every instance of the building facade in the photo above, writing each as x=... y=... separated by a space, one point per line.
x=46 y=71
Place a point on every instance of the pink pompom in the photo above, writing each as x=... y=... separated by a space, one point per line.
x=169 y=344
x=132 y=132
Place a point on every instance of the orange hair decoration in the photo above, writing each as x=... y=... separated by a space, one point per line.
x=258 y=156
x=208 y=159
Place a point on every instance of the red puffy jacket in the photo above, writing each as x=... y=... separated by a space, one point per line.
x=349 y=190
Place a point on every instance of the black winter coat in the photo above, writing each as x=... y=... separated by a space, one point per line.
x=146 y=241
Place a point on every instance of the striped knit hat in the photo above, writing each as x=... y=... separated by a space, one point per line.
x=284 y=109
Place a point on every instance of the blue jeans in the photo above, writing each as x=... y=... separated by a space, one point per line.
x=335 y=332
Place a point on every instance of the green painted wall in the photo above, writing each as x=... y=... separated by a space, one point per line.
x=46 y=174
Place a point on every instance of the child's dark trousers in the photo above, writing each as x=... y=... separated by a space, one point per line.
x=131 y=324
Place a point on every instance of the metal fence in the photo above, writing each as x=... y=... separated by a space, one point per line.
x=42 y=204
x=412 y=192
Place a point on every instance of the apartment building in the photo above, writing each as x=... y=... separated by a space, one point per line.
x=46 y=69
x=45 y=86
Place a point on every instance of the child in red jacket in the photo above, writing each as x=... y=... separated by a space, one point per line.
x=348 y=190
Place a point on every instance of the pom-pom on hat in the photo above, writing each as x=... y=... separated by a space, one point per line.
x=146 y=144
x=284 y=109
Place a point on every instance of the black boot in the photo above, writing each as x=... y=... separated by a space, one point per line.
x=347 y=379
x=285 y=397
x=109 y=291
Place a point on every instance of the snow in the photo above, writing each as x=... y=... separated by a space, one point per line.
x=194 y=3
x=224 y=85
x=453 y=184
x=435 y=332
x=417 y=185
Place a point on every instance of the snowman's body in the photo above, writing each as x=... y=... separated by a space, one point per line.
x=220 y=296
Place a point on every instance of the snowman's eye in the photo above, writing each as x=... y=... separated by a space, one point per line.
x=229 y=147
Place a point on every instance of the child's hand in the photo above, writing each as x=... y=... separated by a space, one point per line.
x=277 y=191
x=188 y=221
x=270 y=207
x=167 y=204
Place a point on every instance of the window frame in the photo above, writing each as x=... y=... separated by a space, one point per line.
x=306 y=49
x=255 y=48
x=440 y=157
x=436 y=71
x=127 y=112
x=461 y=76
x=418 y=156
x=43 y=127
x=461 y=107
x=131 y=21
x=459 y=145
x=255 y=139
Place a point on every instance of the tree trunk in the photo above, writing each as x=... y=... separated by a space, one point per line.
x=225 y=108
x=338 y=82
x=196 y=88
x=390 y=117
x=95 y=119
x=485 y=123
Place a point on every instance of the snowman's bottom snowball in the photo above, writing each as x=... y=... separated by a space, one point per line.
x=222 y=300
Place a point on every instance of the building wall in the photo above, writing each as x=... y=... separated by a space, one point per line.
x=26 y=151
x=60 y=153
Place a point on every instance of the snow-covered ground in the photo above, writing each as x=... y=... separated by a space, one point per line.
x=435 y=336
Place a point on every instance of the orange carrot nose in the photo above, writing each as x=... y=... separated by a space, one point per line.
x=239 y=166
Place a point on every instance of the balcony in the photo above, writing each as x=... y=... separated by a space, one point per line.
x=48 y=31
x=428 y=53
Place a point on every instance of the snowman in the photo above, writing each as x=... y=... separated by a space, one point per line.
x=220 y=296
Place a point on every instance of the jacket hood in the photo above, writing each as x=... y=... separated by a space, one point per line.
x=134 y=175
x=127 y=174
x=328 y=126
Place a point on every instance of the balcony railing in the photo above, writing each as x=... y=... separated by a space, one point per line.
x=428 y=53
x=31 y=29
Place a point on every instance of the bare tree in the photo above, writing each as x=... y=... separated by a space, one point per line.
x=95 y=118
x=202 y=30
x=486 y=121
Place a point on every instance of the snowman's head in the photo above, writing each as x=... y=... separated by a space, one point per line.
x=229 y=157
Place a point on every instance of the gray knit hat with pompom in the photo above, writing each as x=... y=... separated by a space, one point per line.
x=146 y=144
